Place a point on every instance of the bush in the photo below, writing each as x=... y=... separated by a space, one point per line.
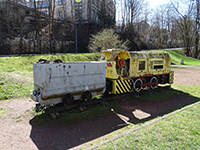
x=106 y=39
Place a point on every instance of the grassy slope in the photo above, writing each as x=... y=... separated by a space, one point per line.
x=9 y=64
x=176 y=57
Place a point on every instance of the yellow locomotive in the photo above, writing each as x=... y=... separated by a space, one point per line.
x=133 y=71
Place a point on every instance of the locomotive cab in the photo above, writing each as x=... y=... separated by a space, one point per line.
x=117 y=63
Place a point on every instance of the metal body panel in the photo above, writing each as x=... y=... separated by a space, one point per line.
x=57 y=79
x=150 y=59
x=154 y=63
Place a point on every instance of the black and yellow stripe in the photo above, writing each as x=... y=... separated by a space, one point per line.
x=171 y=77
x=123 y=86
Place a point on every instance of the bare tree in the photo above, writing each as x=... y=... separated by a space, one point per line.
x=197 y=29
x=190 y=23
x=135 y=8
x=146 y=12
x=187 y=33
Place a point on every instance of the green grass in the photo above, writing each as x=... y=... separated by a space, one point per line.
x=179 y=131
x=14 y=86
x=21 y=63
x=192 y=90
x=176 y=57
x=3 y=112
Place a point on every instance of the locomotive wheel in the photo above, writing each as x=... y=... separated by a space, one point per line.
x=153 y=82
x=137 y=85
x=132 y=85
x=68 y=99
x=86 y=96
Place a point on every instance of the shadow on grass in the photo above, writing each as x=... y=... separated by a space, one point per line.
x=140 y=111
x=75 y=128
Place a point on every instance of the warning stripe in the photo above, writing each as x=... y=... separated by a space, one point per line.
x=123 y=86
x=119 y=89
x=171 y=79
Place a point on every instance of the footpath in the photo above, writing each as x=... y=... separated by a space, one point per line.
x=185 y=66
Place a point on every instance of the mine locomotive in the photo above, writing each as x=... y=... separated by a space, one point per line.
x=115 y=72
x=132 y=71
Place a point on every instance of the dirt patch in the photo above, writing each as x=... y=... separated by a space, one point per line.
x=15 y=128
x=16 y=132
x=187 y=76
x=20 y=78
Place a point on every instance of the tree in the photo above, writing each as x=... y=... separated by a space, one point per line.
x=186 y=25
x=106 y=39
x=131 y=10
x=187 y=33
x=197 y=28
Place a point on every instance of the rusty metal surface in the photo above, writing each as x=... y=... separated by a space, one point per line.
x=57 y=79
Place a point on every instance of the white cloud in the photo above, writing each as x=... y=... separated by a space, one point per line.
x=154 y=3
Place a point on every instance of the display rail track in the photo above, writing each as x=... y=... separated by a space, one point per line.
x=80 y=104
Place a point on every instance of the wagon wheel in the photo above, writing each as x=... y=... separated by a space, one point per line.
x=137 y=85
x=86 y=96
x=68 y=99
x=154 y=82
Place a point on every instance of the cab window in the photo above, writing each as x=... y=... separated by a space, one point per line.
x=141 y=65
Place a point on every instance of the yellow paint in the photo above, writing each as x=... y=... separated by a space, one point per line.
x=111 y=71
x=137 y=64
x=151 y=61
x=171 y=77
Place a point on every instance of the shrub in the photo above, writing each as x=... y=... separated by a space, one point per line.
x=106 y=39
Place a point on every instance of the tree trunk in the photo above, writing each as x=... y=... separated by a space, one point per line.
x=21 y=34
x=197 y=31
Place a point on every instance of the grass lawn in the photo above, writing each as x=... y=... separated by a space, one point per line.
x=176 y=57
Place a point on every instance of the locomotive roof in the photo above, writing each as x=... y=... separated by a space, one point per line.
x=145 y=55
x=139 y=55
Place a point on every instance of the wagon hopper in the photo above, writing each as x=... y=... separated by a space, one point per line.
x=65 y=82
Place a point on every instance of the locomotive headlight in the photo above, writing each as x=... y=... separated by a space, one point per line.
x=36 y=92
